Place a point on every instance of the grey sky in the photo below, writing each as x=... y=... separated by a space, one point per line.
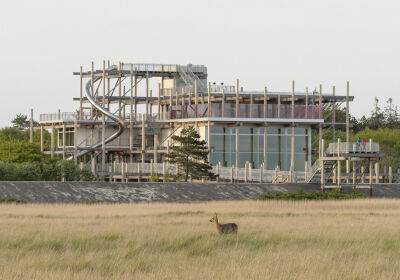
x=264 y=43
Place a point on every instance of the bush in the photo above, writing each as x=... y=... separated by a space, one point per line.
x=86 y=175
x=11 y=200
x=167 y=178
x=301 y=195
x=153 y=178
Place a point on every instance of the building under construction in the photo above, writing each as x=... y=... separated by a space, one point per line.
x=128 y=112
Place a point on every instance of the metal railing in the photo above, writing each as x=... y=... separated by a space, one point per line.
x=353 y=147
x=150 y=67
x=256 y=175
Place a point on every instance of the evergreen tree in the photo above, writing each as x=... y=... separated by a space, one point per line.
x=391 y=115
x=190 y=154
x=377 y=118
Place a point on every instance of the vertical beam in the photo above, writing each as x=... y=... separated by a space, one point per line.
x=63 y=139
x=92 y=89
x=135 y=96
x=390 y=175
x=371 y=172
x=103 y=122
x=377 y=172
x=120 y=95
x=75 y=139
x=339 y=167
x=251 y=106
x=362 y=174
x=309 y=136
x=147 y=93
x=320 y=125
x=347 y=113
x=143 y=138
x=209 y=100
x=131 y=113
x=265 y=103
x=237 y=146
x=80 y=94
x=52 y=141
x=265 y=148
x=155 y=140
x=209 y=139
x=292 y=111
x=333 y=114
x=237 y=100
x=151 y=103
x=223 y=104
x=354 y=173
x=31 y=127
x=322 y=168
x=306 y=103
x=279 y=105
x=159 y=102
x=196 y=97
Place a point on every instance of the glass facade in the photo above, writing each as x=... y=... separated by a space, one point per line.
x=69 y=137
x=251 y=146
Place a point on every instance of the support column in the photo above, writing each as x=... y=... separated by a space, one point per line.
x=265 y=103
x=237 y=147
x=223 y=104
x=131 y=114
x=135 y=97
x=209 y=100
x=333 y=114
x=307 y=105
x=208 y=139
x=251 y=106
x=279 y=106
x=320 y=126
x=63 y=139
x=147 y=94
x=390 y=175
x=347 y=128
x=103 y=123
x=52 y=141
x=362 y=174
x=237 y=113
x=322 y=167
x=155 y=155
x=143 y=139
x=75 y=139
x=339 y=165
x=377 y=172
x=371 y=172
x=354 y=173
x=196 y=98
x=265 y=148
x=80 y=94
x=159 y=102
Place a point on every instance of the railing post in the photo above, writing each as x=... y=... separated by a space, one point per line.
x=261 y=172
x=232 y=174
x=218 y=166
x=362 y=175
x=371 y=173
x=390 y=175
x=122 y=171
x=151 y=167
x=377 y=172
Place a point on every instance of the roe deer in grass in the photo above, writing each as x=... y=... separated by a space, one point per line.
x=224 y=228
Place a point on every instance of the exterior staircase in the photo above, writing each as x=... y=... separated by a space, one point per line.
x=314 y=176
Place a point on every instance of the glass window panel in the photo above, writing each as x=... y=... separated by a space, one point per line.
x=272 y=130
x=216 y=129
x=300 y=144
x=272 y=161
x=244 y=130
x=245 y=143
x=300 y=131
x=272 y=144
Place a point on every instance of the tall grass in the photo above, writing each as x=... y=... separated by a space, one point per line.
x=358 y=239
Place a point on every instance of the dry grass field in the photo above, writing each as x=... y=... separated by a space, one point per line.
x=277 y=240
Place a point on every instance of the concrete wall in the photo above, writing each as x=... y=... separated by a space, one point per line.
x=71 y=192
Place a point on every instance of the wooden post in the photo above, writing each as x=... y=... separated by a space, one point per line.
x=362 y=174
x=390 y=175
x=320 y=125
x=131 y=113
x=159 y=102
x=237 y=147
x=354 y=173
x=371 y=173
x=245 y=172
x=279 y=105
x=265 y=148
x=322 y=165
x=143 y=138
x=265 y=103
x=209 y=100
x=237 y=113
x=52 y=141
x=333 y=114
x=232 y=174
x=306 y=116
x=261 y=172
x=80 y=94
x=103 y=122
x=63 y=139
x=377 y=172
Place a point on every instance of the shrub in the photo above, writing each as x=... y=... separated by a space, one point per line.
x=10 y=200
x=153 y=178
x=301 y=195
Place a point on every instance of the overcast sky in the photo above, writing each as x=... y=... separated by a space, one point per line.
x=264 y=43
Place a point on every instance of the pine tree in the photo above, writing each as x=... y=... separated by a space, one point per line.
x=190 y=154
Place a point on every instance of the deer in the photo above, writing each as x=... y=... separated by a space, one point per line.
x=224 y=228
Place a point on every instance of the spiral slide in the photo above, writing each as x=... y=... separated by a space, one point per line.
x=89 y=95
